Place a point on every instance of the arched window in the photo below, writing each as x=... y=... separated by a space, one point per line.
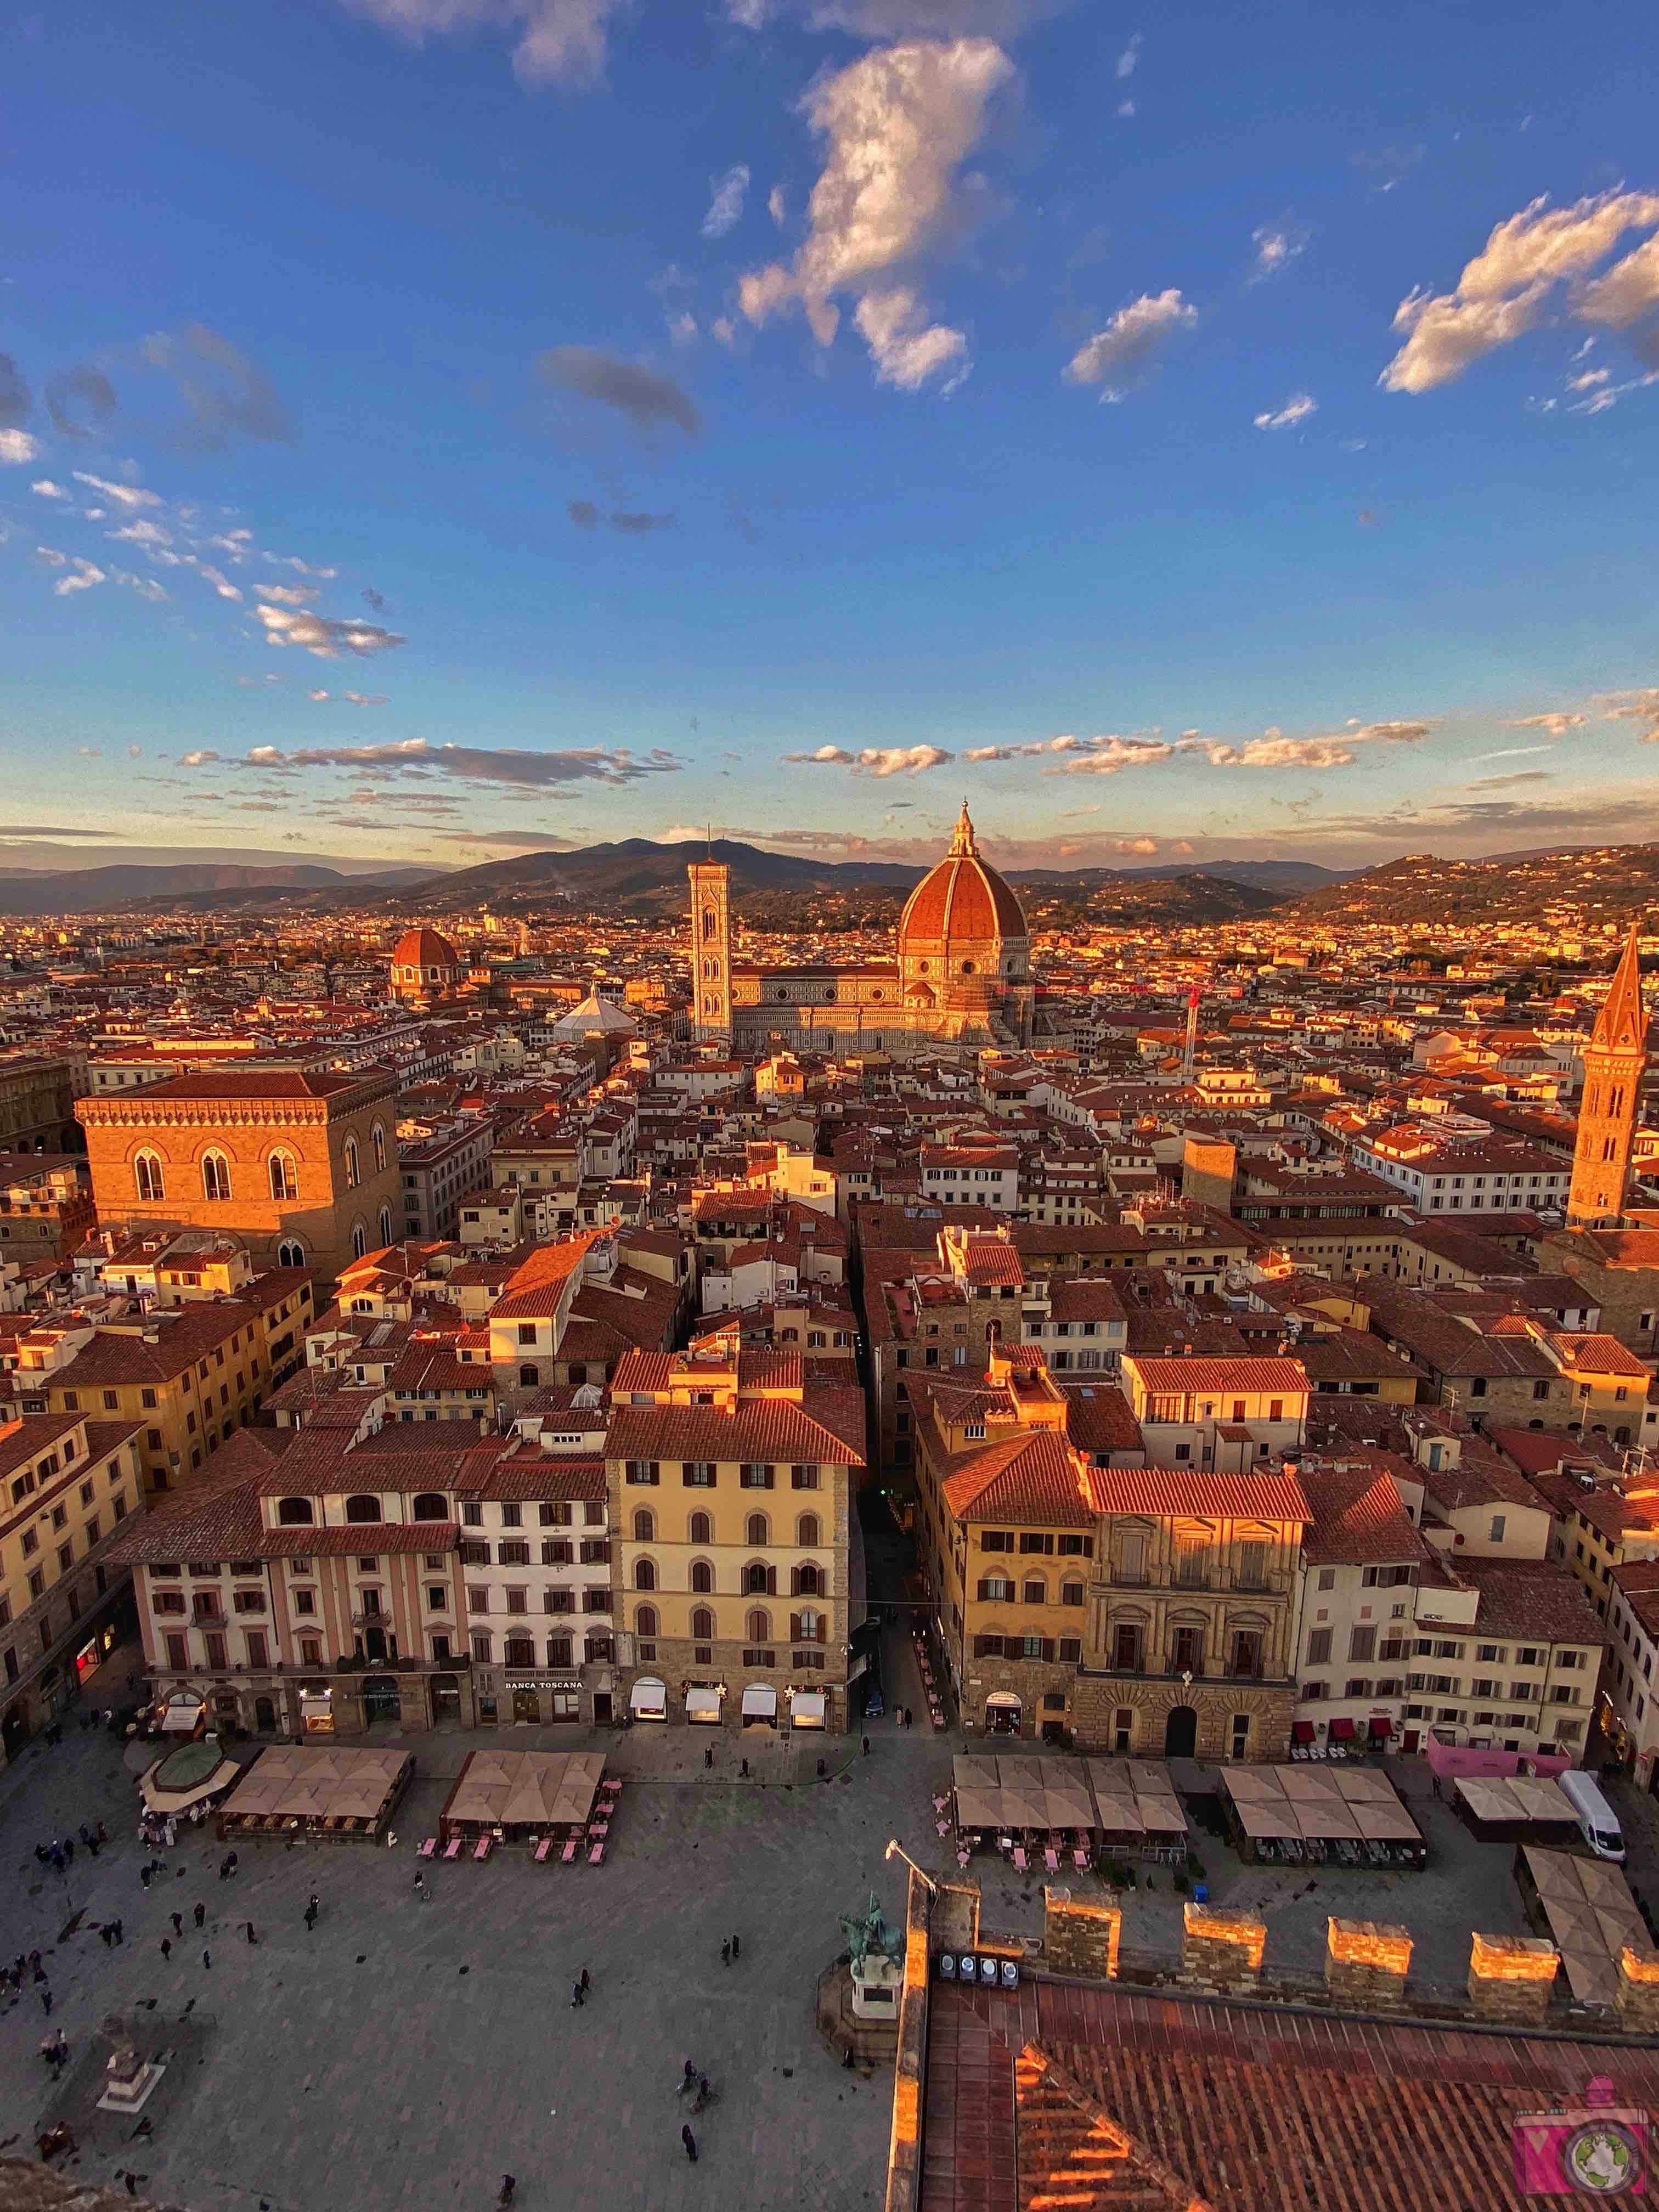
x=353 y=1171
x=758 y=1529
x=294 y=1513
x=645 y=1527
x=148 y=1176
x=809 y=1580
x=645 y=1574
x=998 y=1590
x=711 y=925
x=645 y=1620
x=431 y=1506
x=284 y=1175
x=758 y=1578
x=290 y=1253
x=703 y=1625
x=1035 y=1591
x=807 y=1530
x=699 y=1529
x=702 y=1575
x=377 y=1145
x=386 y=1225
x=529 y=1376
x=215 y=1176
x=758 y=1626
x=362 y=1508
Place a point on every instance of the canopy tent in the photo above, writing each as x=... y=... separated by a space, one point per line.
x=193 y=1774
x=322 y=1791
x=1591 y=1916
x=522 y=1793
x=1136 y=1800
x=1125 y=1799
x=1301 y=1812
x=1518 y=1807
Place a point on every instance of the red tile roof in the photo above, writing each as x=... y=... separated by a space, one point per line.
x=1282 y=1379
x=1030 y=1477
x=1197 y=1494
x=1358 y=1517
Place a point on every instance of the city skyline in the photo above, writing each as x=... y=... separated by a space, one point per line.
x=426 y=433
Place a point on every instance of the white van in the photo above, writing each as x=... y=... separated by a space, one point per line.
x=1598 y=1824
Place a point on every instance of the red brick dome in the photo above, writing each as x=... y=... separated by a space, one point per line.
x=424 y=948
x=963 y=900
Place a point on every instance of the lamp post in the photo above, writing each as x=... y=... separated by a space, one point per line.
x=895 y=1849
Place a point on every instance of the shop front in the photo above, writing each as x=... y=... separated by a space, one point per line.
x=94 y=1652
x=545 y=1697
x=703 y=1704
x=184 y=1714
x=1003 y=1713
x=809 y=1709
x=760 y=1705
x=648 y=1699
x=316 y=1708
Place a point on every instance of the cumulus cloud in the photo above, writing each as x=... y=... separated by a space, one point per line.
x=17 y=448
x=897 y=125
x=1127 y=59
x=559 y=42
x=1634 y=707
x=1277 y=246
x=204 y=758
x=683 y=328
x=220 y=583
x=51 y=556
x=724 y=331
x=878 y=761
x=1107 y=756
x=776 y=205
x=46 y=488
x=324 y=637
x=1557 y=724
x=1504 y=290
x=224 y=393
x=648 y=400
x=1297 y=409
x=130 y=496
x=906 y=348
x=285 y=595
x=1275 y=752
x=526 y=771
x=84 y=577
x=146 y=587
x=728 y=194
x=1119 y=356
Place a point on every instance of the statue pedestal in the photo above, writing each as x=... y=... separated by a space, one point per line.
x=877 y=1982
x=128 y=2080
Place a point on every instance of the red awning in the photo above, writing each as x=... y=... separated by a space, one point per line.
x=1342 y=1731
x=1302 y=1731
x=1382 y=1726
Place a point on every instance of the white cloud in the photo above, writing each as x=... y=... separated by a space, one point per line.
x=146 y=587
x=878 y=761
x=131 y=496
x=365 y=699
x=906 y=348
x=749 y=14
x=1107 y=756
x=1558 y=725
x=898 y=124
x=1634 y=707
x=1274 y=752
x=1126 y=108
x=724 y=331
x=47 y=490
x=316 y=696
x=725 y=206
x=776 y=206
x=87 y=575
x=286 y=595
x=135 y=752
x=17 y=448
x=1505 y=289
x=559 y=42
x=1276 y=247
x=204 y=758
x=1296 y=409
x=1117 y=357
x=683 y=328
x=220 y=583
x=143 y=531
x=51 y=556
x=324 y=636
x=1130 y=57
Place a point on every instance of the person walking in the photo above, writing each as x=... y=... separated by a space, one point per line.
x=178 y=1920
x=201 y=1914
x=85 y=1834
x=311 y=1915
x=508 y=2185
x=689 y=2141
x=231 y=1864
x=578 y=1996
x=224 y=1869
x=708 y=1754
x=207 y=1960
x=586 y=1983
x=867 y=1746
x=119 y=1937
x=687 y=2080
x=166 y=1947
x=421 y=1890
x=45 y=2000
x=68 y=1852
x=106 y=1934
x=251 y=1938
x=736 y=1946
x=102 y=1833
x=725 y=1951
x=143 y=1875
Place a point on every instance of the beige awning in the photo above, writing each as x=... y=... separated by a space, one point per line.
x=808 y=1708
x=649 y=1698
x=702 y=1705
x=760 y=1702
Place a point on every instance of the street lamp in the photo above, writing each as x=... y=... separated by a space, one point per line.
x=894 y=1847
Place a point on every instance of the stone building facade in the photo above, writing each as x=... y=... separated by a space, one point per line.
x=302 y=1167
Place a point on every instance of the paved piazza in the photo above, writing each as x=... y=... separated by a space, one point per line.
x=406 y=2054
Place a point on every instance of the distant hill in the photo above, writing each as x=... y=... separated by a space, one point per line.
x=113 y=890
x=640 y=876
x=1574 y=887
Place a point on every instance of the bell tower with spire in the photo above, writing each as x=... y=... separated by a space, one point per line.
x=711 y=950
x=1615 y=1060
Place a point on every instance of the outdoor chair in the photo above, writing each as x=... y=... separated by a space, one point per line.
x=429 y=1849
x=568 y=1853
x=596 y=1856
x=482 y=1850
x=452 y=1848
x=1080 y=1860
x=1019 y=1857
x=943 y=1827
x=542 y=1849
x=1051 y=1859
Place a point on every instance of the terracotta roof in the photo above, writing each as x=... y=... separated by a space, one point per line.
x=962 y=898
x=534 y=1288
x=1600 y=1354
x=1188 y=1494
x=1099 y=1419
x=1537 y=1599
x=233 y=1083
x=216 y=1518
x=1029 y=1478
x=830 y=1430
x=1357 y=1517
x=1283 y=1378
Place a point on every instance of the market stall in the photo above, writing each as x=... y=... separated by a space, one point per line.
x=304 y=1790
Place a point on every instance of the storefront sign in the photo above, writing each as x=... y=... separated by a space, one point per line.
x=543 y=1682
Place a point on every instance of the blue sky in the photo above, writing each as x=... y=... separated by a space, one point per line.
x=795 y=413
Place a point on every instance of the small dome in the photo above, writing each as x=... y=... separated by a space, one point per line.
x=962 y=899
x=424 y=948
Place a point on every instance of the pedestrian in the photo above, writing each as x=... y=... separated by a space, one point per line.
x=224 y=1869
x=725 y=1951
x=45 y=2000
x=421 y=1890
x=251 y=1938
x=35 y=1967
x=57 y=1858
x=166 y=1947
x=69 y=1851
x=231 y=1864
x=708 y=1754
x=311 y=1915
x=744 y=1769
x=170 y=1833
x=131 y=2180
x=689 y=2141
x=103 y=1833
x=92 y=1845
x=867 y=1746
x=143 y=1875
x=206 y=1959
x=201 y=1914
x=586 y=1982
x=687 y=2078
x=107 y=1932
x=736 y=1948
x=578 y=1996
x=178 y=1920
x=508 y=2185
x=84 y=1832
x=119 y=1937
